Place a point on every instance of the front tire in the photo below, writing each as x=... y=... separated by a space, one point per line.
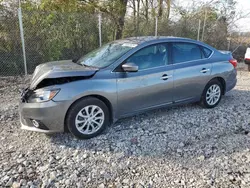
x=87 y=118
x=212 y=94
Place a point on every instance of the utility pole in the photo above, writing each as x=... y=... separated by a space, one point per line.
x=229 y=42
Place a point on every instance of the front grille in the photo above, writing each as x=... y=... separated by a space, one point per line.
x=25 y=94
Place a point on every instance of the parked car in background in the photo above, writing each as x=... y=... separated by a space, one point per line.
x=123 y=78
x=247 y=58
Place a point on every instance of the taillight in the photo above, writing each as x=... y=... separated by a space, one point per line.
x=233 y=62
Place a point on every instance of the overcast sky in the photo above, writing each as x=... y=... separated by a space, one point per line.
x=244 y=24
x=243 y=7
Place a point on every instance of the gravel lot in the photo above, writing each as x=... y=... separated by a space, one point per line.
x=185 y=146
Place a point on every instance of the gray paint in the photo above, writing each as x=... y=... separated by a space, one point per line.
x=128 y=92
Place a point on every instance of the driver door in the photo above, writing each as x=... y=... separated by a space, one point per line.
x=151 y=86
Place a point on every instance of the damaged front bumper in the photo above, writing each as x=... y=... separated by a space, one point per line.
x=29 y=128
x=49 y=116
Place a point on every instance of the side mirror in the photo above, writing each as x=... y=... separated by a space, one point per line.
x=130 y=67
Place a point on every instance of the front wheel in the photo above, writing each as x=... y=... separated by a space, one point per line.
x=212 y=94
x=87 y=118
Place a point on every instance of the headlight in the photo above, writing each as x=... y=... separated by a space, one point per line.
x=41 y=95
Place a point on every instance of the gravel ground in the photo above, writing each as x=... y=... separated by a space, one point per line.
x=184 y=146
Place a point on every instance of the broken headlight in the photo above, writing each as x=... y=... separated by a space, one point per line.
x=41 y=95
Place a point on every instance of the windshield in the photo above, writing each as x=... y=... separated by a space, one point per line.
x=106 y=54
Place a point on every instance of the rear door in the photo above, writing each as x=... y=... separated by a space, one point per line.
x=149 y=87
x=192 y=70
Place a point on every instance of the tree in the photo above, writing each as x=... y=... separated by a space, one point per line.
x=121 y=18
x=146 y=8
x=114 y=8
x=168 y=9
x=160 y=7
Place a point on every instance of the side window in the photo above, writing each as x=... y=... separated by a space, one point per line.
x=207 y=52
x=183 y=52
x=151 y=56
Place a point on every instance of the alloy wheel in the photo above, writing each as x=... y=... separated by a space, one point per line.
x=213 y=94
x=89 y=119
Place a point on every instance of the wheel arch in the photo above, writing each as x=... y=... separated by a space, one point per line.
x=101 y=98
x=222 y=81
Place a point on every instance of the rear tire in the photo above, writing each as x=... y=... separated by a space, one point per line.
x=87 y=118
x=211 y=95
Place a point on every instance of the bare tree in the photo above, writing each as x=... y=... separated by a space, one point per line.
x=120 y=24
x=160 y=8
x=146 y=9
x=168 y=8
x=134 y=14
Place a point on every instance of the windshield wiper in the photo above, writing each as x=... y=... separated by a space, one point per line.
x=88 y=65
x=76 y=61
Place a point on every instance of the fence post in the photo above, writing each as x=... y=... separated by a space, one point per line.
x=22 y=38
x=100 y=28
x=156 y=25
x=198 y=34
x=229 y=42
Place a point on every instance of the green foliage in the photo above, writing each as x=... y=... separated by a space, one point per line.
x=53 y=35
x=67 y=29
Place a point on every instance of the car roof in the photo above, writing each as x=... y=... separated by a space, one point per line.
x=148 y=39
x=143 y=39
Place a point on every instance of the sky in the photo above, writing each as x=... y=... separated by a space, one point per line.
x=242 y=7
x=244 y=23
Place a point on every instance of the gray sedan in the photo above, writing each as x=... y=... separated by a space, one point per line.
x=123 y=78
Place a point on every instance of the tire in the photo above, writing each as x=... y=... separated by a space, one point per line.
x=213 y=85
x=249 y=68
x=82 y=122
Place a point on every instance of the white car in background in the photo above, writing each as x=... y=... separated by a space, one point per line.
x=247 y=58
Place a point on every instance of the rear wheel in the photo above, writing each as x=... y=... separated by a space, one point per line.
x=87 y=118
x=212 y=94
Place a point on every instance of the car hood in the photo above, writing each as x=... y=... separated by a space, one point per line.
x=59 y=69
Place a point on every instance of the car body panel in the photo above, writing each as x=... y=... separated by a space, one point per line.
x=102 y=84
x=225 y=70
x=50 y=113
x=58 y=69
x=127 y=93
x=134 y=89
x=189 y=81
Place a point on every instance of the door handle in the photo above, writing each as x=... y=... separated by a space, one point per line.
x=204 y=70
x=165 y=76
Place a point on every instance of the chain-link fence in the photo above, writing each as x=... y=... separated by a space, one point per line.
x=50 y=35
x=11 y=57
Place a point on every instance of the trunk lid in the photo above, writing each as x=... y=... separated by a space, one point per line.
x=59 y=69
x=225 y=52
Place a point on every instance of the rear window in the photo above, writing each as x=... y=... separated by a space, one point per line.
x=183 y=52
x=207 y=52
